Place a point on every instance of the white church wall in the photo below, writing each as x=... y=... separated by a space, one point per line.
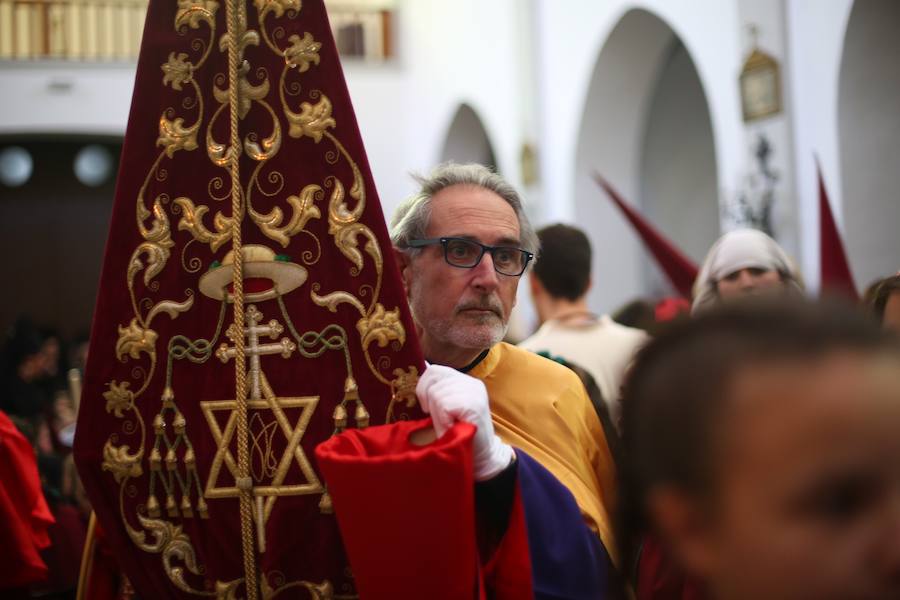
x=679 y=189
x=869 y=138
x=380 y=101
x=610 y=142
x=65 y=98
x=815 y=43
x=572 y=35
x=774 y=131
x=450 y=54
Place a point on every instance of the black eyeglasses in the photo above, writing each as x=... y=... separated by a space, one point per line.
x=466 y=254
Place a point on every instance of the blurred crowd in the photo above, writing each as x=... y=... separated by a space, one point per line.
x=675 y=383
x=39 y=394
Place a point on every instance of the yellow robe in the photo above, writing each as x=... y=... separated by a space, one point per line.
x=542 y=408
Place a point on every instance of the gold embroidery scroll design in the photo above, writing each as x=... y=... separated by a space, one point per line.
x=170 y=464
x=170 y=470
x=137 y=341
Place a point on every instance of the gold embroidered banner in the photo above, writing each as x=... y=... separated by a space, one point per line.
x=249 y=308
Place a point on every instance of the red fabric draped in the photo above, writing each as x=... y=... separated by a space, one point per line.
x=428 y=527
x=24 y=514
x=680 y=269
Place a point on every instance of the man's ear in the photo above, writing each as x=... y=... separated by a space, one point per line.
x=403 y=264
x=686 y=527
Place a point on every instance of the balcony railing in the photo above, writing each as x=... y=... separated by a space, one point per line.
x=362 y=32
x=94 y=30
x=110 y=30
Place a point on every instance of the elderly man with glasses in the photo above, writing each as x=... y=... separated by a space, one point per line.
x=462 y=244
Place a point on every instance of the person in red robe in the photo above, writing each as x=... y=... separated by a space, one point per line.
x=24 y=514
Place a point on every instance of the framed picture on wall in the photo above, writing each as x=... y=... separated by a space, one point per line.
x=760 y=86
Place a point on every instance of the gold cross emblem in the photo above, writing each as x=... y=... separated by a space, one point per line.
x=261 y=398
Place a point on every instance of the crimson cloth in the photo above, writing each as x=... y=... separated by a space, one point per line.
x=659 y=578
x=546 y=552
x=103 y=580
x=668 y=309
x=680 y=269
x=397 y=502
x=63 y=557
x=835 y=269
x=24 y=514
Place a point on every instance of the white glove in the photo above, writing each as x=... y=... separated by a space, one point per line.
x=450 y=396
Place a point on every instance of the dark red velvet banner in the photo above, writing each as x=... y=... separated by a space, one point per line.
x=328 y=340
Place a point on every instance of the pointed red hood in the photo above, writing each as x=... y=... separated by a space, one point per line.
x=680 y=270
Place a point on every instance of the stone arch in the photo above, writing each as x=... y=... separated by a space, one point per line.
x=869 y=139
x=467 y=139
x=646 y=127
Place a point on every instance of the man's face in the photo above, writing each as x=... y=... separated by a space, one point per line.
x=809 y=486
x=460 y=312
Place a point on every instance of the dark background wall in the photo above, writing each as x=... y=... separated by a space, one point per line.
x=53 y=230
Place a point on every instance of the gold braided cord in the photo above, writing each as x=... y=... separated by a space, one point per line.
x=234 y=10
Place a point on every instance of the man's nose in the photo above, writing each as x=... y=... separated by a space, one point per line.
x=484 y=275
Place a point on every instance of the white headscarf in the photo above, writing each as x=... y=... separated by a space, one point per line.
x=741 y=249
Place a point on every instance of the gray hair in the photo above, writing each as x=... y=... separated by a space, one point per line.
x=410 y=220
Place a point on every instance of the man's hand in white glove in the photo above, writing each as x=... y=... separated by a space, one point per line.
x=450 y=396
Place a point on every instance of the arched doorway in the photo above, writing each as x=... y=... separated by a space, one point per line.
x=645 y=127
x=467 y=140
x=869 y=142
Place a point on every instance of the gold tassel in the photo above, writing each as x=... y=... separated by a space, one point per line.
x=179 y=423
x=155 y=460
x=186 y=510
x=351 y=390
x=171 y=460
x=171 y=507
x=202 y=508
x=340 y=417
x=361 y=416
x=153 y=507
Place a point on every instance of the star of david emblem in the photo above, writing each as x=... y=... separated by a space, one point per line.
x=293 y=453
x=261 y=398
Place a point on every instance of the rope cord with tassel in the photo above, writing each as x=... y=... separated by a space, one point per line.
x=234 y=13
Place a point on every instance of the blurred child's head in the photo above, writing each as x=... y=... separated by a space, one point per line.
x=763 y=445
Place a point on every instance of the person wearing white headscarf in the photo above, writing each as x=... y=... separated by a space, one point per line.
x=744 y=262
